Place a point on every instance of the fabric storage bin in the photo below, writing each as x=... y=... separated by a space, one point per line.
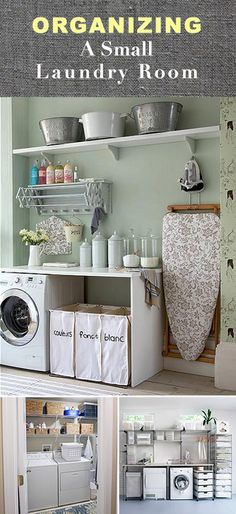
x=102 y=342
x=88 y=356
x=62 y=341
x=34 y=407
x=115 y=345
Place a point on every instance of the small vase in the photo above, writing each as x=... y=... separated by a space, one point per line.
x=34 y=255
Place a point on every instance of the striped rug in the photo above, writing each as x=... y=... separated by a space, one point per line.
x=82 y=508
x=19 y=385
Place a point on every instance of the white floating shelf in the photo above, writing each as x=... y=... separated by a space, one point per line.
x=189 y=136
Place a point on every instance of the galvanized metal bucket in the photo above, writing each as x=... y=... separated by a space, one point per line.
x=61 y=130
x=156 y=116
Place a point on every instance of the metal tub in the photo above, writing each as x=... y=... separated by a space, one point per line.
x=57 y=131
x=156 y=116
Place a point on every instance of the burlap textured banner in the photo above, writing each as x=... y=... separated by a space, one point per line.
x=117 y=48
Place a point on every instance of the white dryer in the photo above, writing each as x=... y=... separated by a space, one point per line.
x=181 y=483
x=25 y=302
x=42 y=481
x=154 y=483
x=73 y=480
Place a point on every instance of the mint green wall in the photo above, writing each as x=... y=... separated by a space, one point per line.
x=145 y=178
x=228 y=220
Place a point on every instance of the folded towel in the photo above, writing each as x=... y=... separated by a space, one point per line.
x=152 y=290
x=98 y=215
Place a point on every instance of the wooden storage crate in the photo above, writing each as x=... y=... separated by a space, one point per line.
x=86 y=428
x=73 y=428
x=41 y=431
x=34 y=407
x=56 y=408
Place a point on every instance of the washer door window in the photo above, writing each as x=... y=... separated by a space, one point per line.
x=19 y=317
x=181 y=482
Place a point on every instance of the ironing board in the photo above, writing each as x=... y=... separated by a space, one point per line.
x=191 y=277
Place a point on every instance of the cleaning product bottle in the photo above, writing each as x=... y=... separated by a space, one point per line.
x=76 y=174
x=68 y=173
x=50 y=174
x=42 y=173
x=34 y=176
x=59 y=173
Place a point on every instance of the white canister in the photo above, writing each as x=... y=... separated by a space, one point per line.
x=99 y=251
x=85 y=254
x=115 y=251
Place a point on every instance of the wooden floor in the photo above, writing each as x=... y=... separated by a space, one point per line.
x=164 y=383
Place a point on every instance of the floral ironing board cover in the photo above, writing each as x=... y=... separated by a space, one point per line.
x=191 y=277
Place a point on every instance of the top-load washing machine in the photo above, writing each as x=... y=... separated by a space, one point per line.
x=181 y=483
x=25 y=303
x=41 y=481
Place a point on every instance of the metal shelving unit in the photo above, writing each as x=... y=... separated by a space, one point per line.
x=221 y=455
x=79 y=197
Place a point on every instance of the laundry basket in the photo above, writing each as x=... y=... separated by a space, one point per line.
x=71 y=451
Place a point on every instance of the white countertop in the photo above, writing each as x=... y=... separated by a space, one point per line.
x=76 y=271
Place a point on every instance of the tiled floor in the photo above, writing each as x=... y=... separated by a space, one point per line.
x=164 y=383
x=179 y=507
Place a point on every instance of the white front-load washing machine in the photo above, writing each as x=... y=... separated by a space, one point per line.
x=181 y=483
x=42 y=481
x=25 y=303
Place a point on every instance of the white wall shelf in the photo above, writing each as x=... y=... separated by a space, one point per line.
x=188 y=136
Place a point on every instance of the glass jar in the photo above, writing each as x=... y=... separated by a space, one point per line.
x=131 y=250
x=149 y=251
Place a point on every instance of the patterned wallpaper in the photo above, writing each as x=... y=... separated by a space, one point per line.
x=228 y=219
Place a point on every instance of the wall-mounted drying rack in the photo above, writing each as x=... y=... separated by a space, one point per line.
x=80 y=197
x=170 y=348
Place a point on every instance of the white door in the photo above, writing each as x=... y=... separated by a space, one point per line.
x=14 y=455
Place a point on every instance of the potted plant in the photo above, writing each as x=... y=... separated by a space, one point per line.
x=208 y=419
x=33 y=240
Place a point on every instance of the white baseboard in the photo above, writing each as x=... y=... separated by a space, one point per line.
x=195 y=368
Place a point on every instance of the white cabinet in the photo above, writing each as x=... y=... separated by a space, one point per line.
x=133 y=484
x=154 y=484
